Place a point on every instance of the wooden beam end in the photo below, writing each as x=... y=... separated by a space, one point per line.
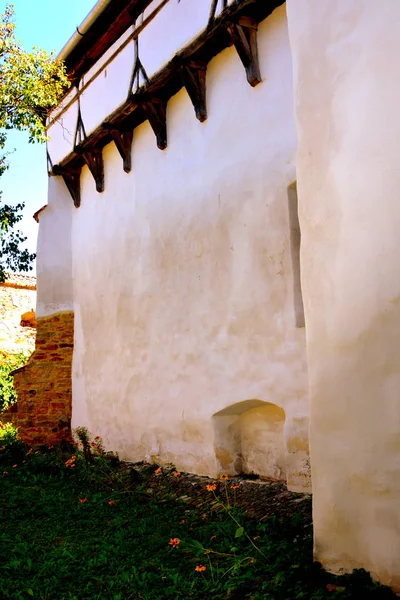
x=161 y=142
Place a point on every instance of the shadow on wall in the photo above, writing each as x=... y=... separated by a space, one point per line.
x=248 y=438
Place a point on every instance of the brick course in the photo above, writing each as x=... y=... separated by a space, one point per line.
x=43 y=385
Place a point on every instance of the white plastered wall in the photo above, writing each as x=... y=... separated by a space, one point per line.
x=347 y=104
x=183 y=283
x=54 y=253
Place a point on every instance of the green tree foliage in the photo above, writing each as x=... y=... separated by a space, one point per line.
x=9 y=362
x=31 y=84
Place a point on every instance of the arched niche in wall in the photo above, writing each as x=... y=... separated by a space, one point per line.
x=248 y=438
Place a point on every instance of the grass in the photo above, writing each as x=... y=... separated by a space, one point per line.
x=96 y=529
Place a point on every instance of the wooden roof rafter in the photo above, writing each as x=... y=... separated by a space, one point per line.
x=236 y=25
x=108 y=28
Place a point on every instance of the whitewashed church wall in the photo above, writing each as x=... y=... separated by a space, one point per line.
x=54 y=253
x=110 y=89
x=62 y=132
x=183 y=283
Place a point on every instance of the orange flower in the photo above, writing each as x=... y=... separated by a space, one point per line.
x=235 y=487
x=177 y=473
x=5 y=472
x=200 y=568
x=82 y=500
x=256 y=537
x=224 y=477
x=158 y=471
x=174 y=542
x=37 y=452
x=29 y=451
x=211 y=487
x=111 y=502
x=71 y=462
x=15 y=466
x=93 y=444
x=183 y=522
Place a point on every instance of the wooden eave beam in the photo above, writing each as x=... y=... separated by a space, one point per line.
x=108 y=28
x=194 y=75
x=243 y=34
x=168 y=81
x=72 y=179
x=123 y=141
x=93 y=158
x=155 y=110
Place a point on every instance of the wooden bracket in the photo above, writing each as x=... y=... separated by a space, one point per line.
x=193 y=76
x=155 y=110
x=138 y=70
x=49 y=162
x=94 y=160
x=80 y=132
x=72 y=179
x=243 y=34
x=72 y=176
x=123 y=142
x=213 y=10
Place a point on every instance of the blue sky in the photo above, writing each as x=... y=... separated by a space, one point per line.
x=47 y=24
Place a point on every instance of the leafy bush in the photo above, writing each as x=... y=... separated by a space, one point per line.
x=12 y=449
x=8 y=433
x=9 y=362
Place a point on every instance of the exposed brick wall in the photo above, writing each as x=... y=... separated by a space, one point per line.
x=17 y=296
x=43 y=385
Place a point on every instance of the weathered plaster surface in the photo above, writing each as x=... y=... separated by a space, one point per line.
x=346 y=97
x=183 y=279
x=182 y=272
x=249 y=438
x=54 y=262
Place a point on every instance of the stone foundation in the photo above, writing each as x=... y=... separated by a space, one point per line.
x=43 y=385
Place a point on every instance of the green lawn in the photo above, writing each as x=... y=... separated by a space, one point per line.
x=103 y=531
